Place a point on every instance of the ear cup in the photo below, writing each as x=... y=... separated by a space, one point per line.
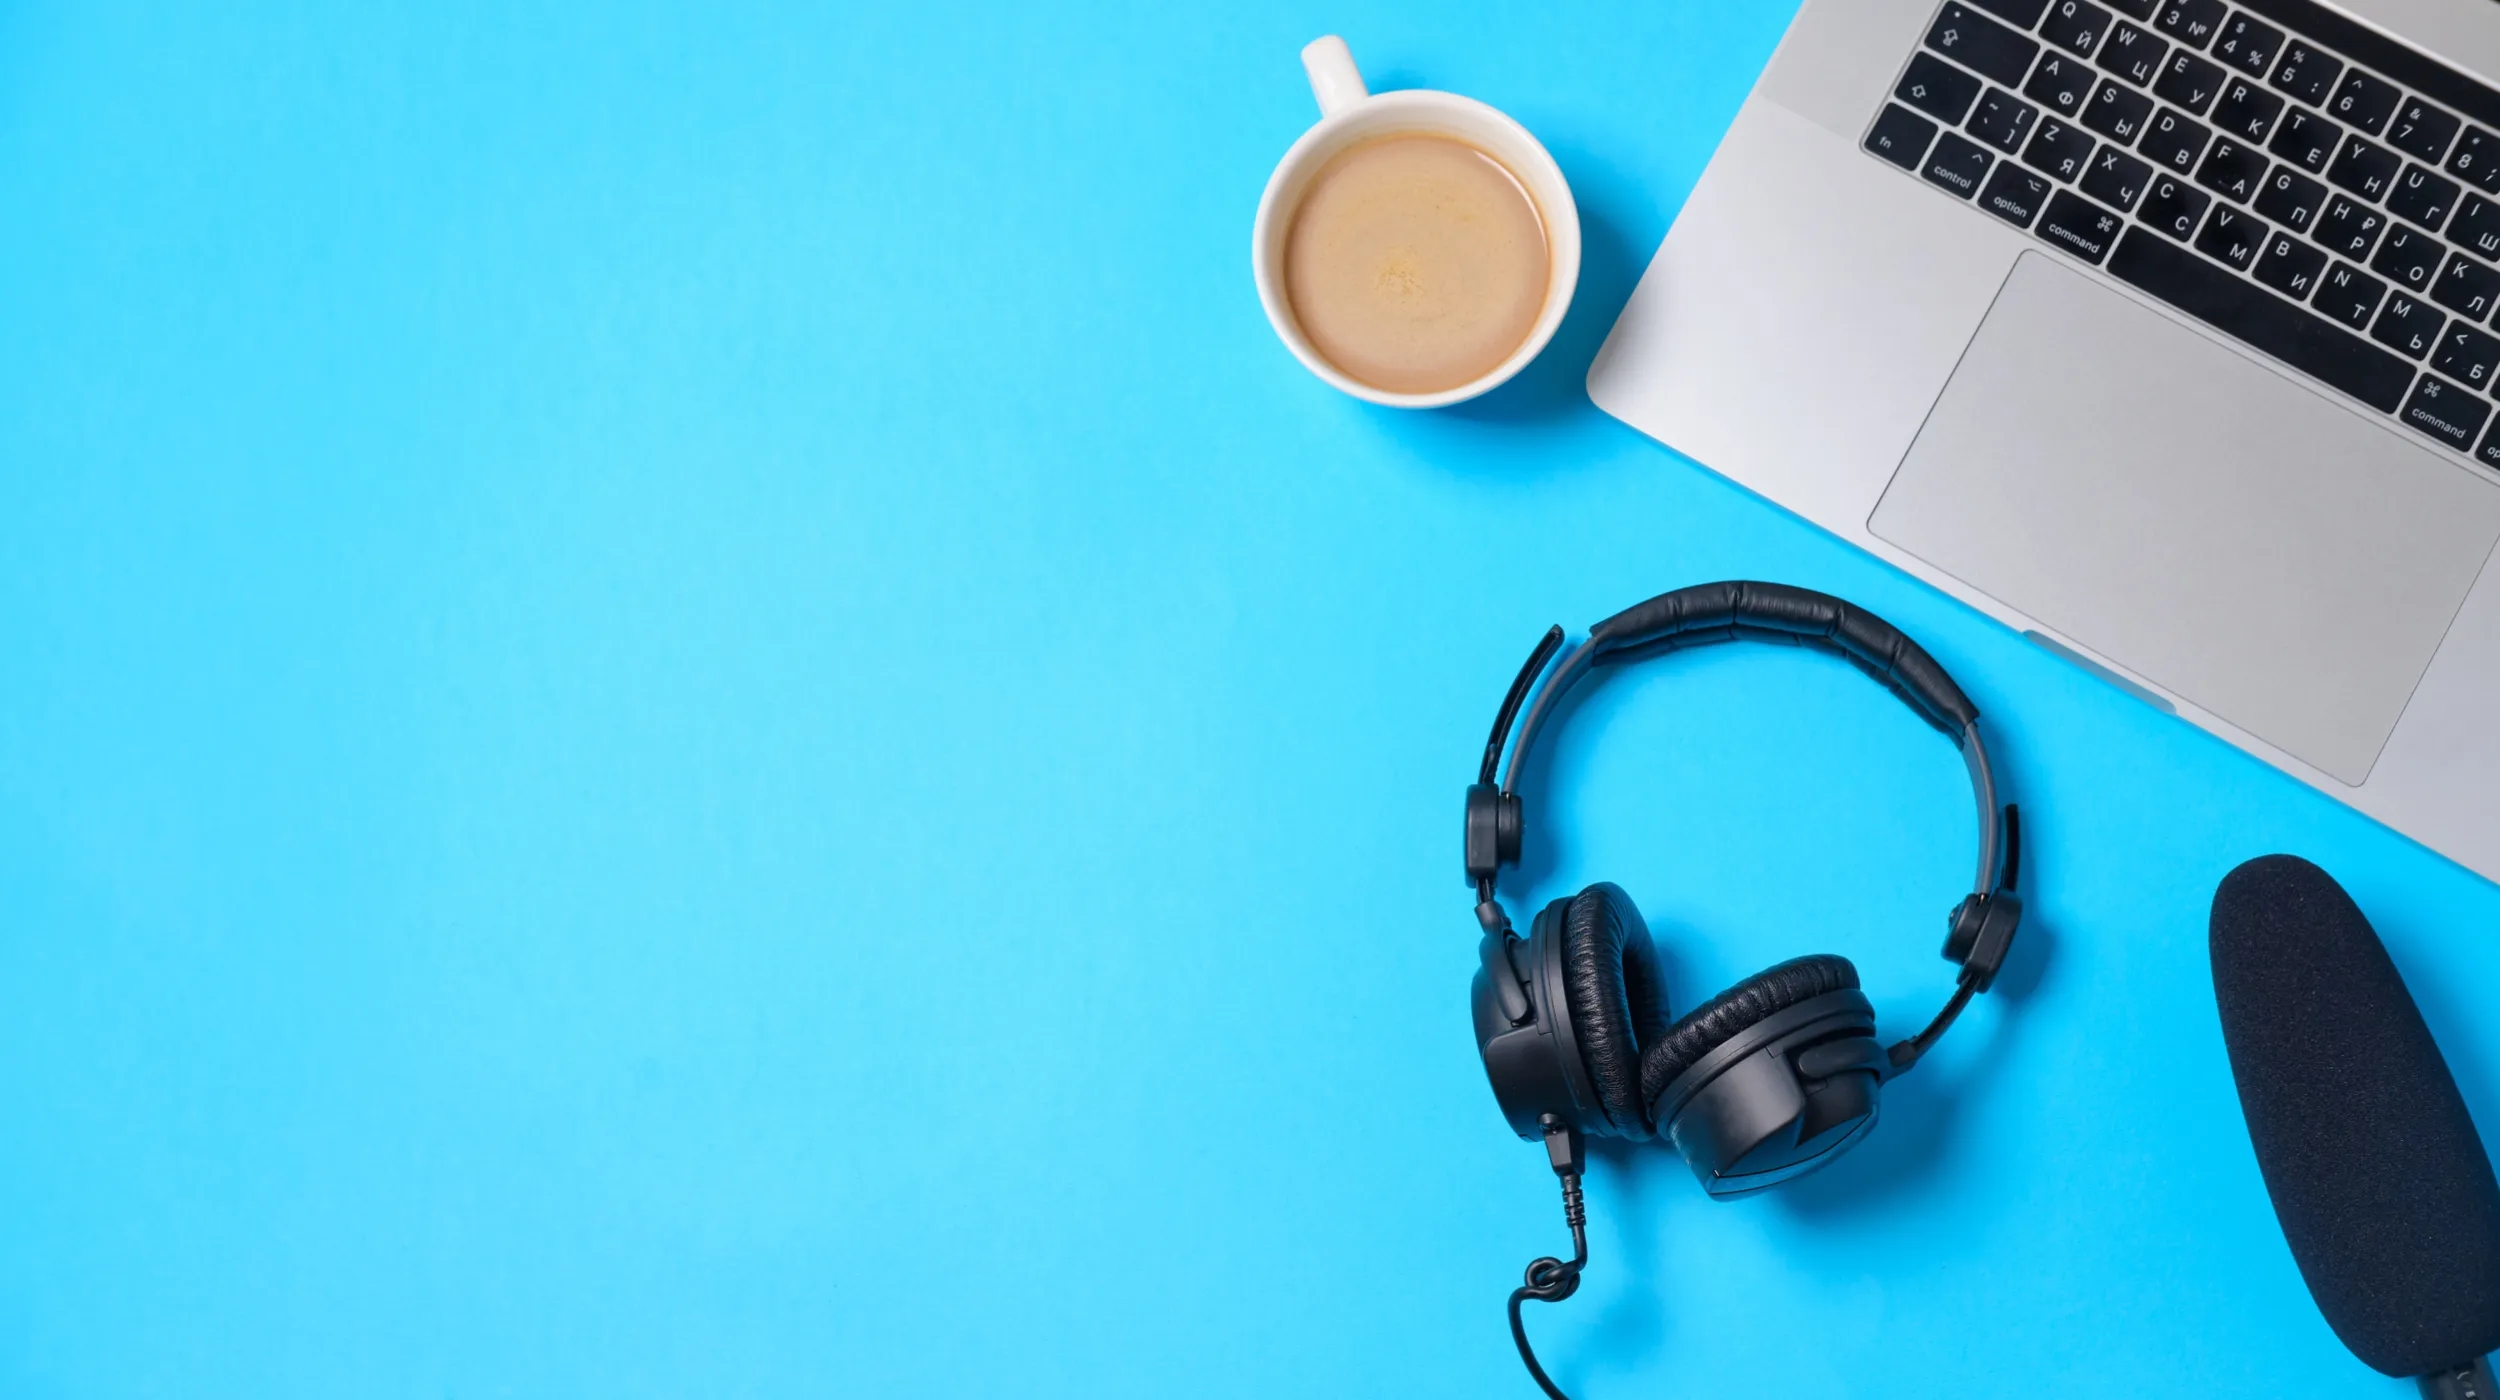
x=1713 y=1023
x=1618 y=998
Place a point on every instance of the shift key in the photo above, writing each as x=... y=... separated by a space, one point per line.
x=1980 y=43
x=2079 y=226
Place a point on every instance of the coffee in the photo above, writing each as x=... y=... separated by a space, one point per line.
x=1416 y=263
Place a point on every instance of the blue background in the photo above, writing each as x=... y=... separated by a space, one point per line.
x=692 y=706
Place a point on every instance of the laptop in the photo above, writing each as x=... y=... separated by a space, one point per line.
x=2161 y=331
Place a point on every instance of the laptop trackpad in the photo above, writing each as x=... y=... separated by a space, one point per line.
x=2207 y=522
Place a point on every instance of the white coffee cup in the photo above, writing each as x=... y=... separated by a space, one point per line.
x=1350 y=112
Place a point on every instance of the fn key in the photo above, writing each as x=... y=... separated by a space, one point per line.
x=1901 y=136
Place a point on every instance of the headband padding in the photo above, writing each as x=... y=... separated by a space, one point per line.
x=1715 y=1022
x=1618 y=997
x=1774 y=612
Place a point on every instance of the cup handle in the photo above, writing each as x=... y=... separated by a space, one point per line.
x=1335 y=81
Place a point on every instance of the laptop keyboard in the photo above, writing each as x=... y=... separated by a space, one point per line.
x=2315 y=189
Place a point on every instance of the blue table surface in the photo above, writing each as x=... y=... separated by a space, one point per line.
x=693 y=707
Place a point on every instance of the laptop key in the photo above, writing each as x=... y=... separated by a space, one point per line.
x=2289 y=197
x=2364 y=100
x=2306 y=140
x=2476 y=160
x=2141 y=11
x=2116 y=112
x=1957 y=165
x=2173 y=140
x=2442 y=410
x=2349 y=295
x=2232 y=237
x=2191 y=22
x=2116 y=178
x=2076 y=27
x=2238 y=307
x=1981 y=44
x=2231 y=170
x=2467 y=356
x=2290 y=266
x=2422 y=197
x=2079 y=226
x=2348 y=228
x=2002 y=120
x=2477 y=226
x=2408 y=258
x=2061 y=82
x=1937 y=88
x=2306 y=72
x=2467 y=288
x=2248 y=44
x=2133 y=54
x=2422 y=131
x=2189 y=82
x=2489 y=453
x=2015 y=194
x=2022 y=14
x=2408 y=324
x=2246 y=110
x=2173 y=208
x=2059 y=148
x=2364 y=168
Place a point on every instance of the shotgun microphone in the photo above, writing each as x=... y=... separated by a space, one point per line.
x=2378 y=1178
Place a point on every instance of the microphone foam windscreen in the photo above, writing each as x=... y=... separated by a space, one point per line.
x=2381 y=1184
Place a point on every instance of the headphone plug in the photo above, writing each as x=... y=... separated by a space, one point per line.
x=1564 y=1148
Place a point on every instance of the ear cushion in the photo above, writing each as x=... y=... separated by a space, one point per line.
x=1618 y=997
x=1715 y=1022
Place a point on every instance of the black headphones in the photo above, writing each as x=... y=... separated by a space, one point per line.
x=1773 y=1077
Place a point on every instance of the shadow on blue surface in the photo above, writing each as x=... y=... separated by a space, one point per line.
x=1908 y=1153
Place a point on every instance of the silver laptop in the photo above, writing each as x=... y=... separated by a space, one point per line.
x=2160 y=330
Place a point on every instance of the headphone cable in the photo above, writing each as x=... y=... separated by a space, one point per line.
x=1550 y=1280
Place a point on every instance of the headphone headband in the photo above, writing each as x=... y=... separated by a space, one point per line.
x=1721 y=612
x=1769 y=612
x=1737 y=610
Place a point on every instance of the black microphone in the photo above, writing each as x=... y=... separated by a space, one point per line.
x=2379 y=1180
